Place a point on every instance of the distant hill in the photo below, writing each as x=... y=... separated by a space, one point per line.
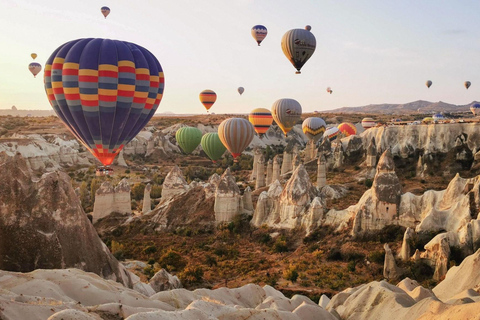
x=27 y=113
x=419 y=106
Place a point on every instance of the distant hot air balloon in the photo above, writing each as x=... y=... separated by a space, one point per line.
x=427 y=120
x=368 y=123
x=105 y=11
x=104 y=91
x=428 y=83
x=213 y=146
x=261 y=119
x=331 y=133
x=33 y=55
x=35 y=68
x=347 y=128
x=475 y=108
x=240 y=90
x=286 y=113
x=438 y=117
x=208 y=98
x=329 y=90
x=188 y=138
x=313 y=128
x=298 y=45
x=467 y=84
x=259 y=33
x=236 y=134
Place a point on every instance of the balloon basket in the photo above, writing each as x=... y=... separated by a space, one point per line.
x=298 y=72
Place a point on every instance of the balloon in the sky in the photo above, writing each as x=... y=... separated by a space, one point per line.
x=259 y=33
x=428 y=83
x=261 y=119
x=308 y=27
x=33 y=55
x=298 y=45
x=105 y=11
x=286 y=113
x=331 y=133
x=208 y=98
x=329 y=90
x=475 y=108
x=313 y=128
x=236 y=134
x=188 y=138
x=368 y=123
x=347 y=128
x=240 y=90
x=213 y=146
x=35 y=68
x=105 y=91
x=467 y=84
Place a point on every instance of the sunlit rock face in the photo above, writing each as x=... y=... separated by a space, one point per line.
x=228 y=200
x=109 y=199
x=174 y=184
x=43 y=225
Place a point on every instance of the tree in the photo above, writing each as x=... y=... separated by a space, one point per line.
x=94 y=186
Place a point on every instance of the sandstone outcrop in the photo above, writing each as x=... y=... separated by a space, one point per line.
x=174 y=184
x=109 y=199
x=260 y=181
x=147 y=202
x=268 y=181
x=228 y=201
x=390 y=269
x=321 y=171
x=277 y=162
x=162 y=280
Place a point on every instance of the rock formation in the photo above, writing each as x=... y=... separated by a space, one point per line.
x=228 y=201
x=174 y=184
x=247 y=200
x=321 y=172
x=287 y=164
x=260 y=181
x=162 y=280
x=277 y=161
x=405 y=252
x=269 y=172
x=43 y=225
x=390 y=269
x=338 y=156
x=371 y=154
x=150 y=141
x=109 y=199
x=257 y=153
x=147 y=202
x=297 y=160
x=310 y=151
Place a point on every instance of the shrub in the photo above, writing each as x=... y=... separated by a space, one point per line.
x=351 y=266
x=377 y=257
x=280 y=245
x=291 y=274
x=191 y=274
x=150 y=250
x=334 y=255
x=172 y=261
x=368 y=183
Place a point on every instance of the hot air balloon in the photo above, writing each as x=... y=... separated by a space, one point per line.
x=33 y=55
x=104 y=91
x=347 y=128
x=298 y=45
x=313 y=128
x=259 y=33
x=428 y=83
x=261 y=119
x=208 y=98
x=35 y=68
x=331 y=133
x=475 y=108
x=236 y=134
x=213 y=146
x=286 y=113
x=105 y=11
x=467 y=84
x=240 y=90
x=368 y=123
x=438 y=117
x=427 y=120
x=188 y=138
x=329 y=90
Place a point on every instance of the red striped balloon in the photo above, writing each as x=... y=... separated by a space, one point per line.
x=347 y=128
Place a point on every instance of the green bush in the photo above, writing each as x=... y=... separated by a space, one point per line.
x=280 y=245
x=291 y=274
x=377 y=257
x=172 y=261
x=150 y=250
x=368 y=183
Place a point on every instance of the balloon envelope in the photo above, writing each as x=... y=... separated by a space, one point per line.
x=331 y=133
x=475 y=108
x=188 y=138
x=259 y=33
x=33 y=55
x=35 y=68
x=428 y=83
x=104 y=91
x=368 y=123
x=347 y=128
x=213 y=146
x=236 y=134
x=286 y=113
x=208 y=98
x=261 y=119
x=427 y=119
x=313 y=128
x=105 y=11
x=240 y=90
x=298 y=45
x=467 y=84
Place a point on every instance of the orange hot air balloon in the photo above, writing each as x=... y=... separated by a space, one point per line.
x=347 y=128
x=208 y=98
x=261 y=119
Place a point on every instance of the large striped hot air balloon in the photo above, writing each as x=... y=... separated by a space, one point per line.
x=105 y=11
x=213 y=146
x=368 y=123
x=286 y=113
x=105 y=91
x=347 y=128
x=475 y=108
x=313 y=128
x=298 y=45
x=35 y=68
x=259 y=33
x=261 y=119
x=236 y=134
x=188 y=138
x=208 y=98
x=331 y=133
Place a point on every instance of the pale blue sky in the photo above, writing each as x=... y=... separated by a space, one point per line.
x=368 y=51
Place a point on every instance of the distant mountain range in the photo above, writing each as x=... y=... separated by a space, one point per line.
x=419 y=106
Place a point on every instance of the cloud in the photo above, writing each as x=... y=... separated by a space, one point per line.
x=454 y=31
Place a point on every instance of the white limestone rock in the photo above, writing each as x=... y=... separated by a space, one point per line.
x=174 y=184
x=228 y=201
